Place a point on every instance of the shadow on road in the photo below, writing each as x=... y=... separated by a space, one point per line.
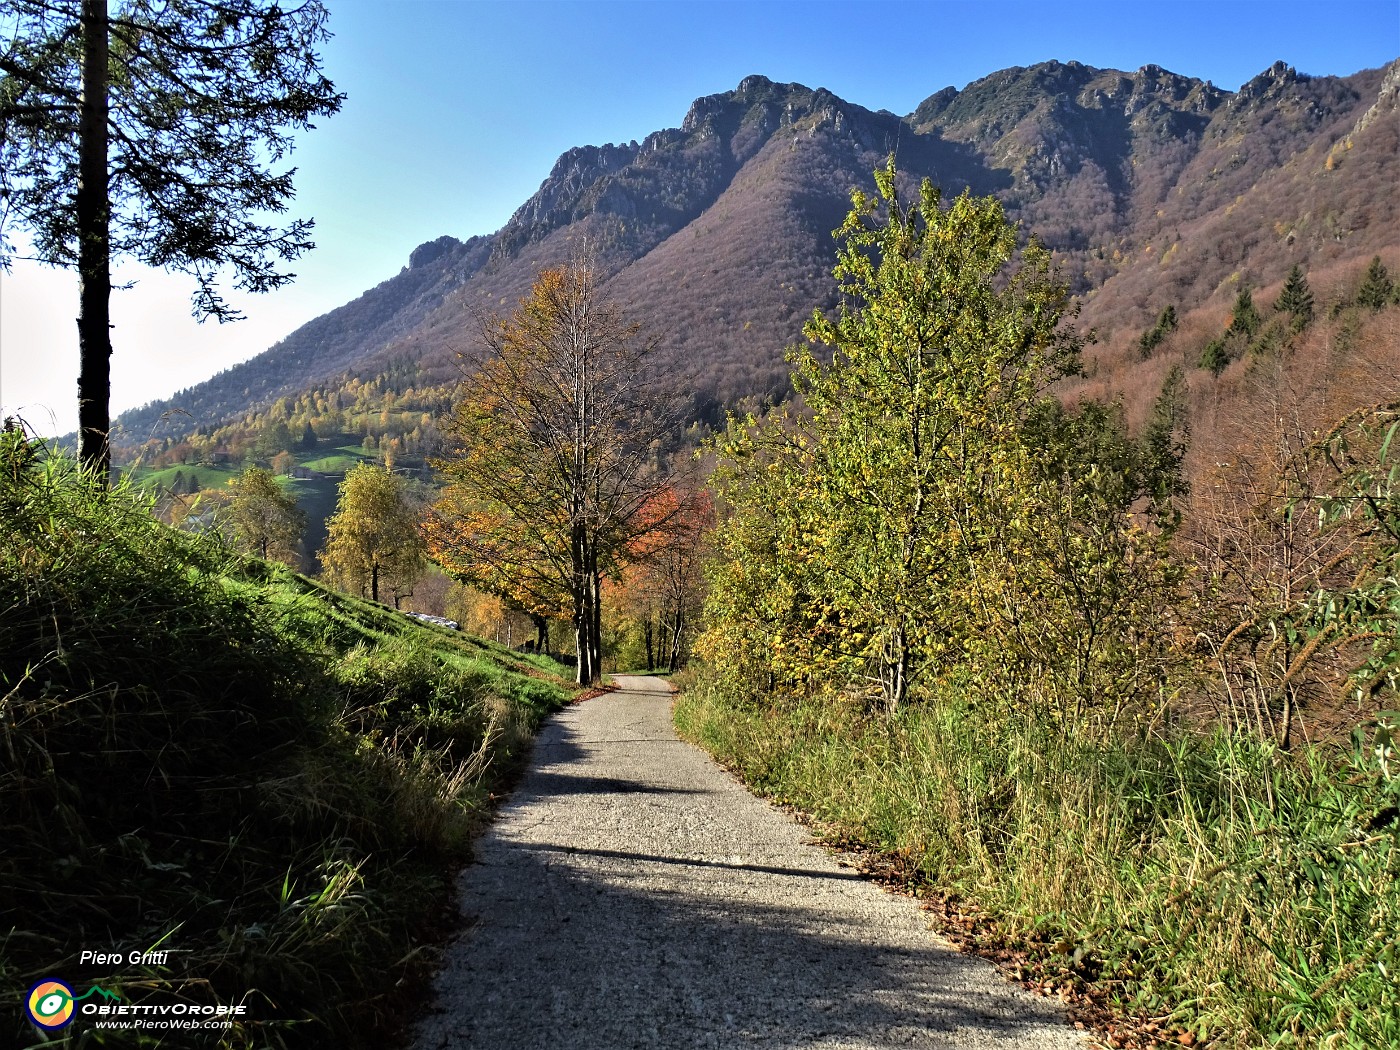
x=690 y=862
x=604 y=915
x=610 y=963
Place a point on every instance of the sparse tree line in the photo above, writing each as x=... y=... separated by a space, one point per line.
x=1248 y=332
x=499 y=546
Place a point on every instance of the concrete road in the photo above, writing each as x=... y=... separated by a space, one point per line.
x=632 y=894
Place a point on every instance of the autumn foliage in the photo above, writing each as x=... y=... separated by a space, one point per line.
x=553 y=474
x=1121 y=671
x=373 y=544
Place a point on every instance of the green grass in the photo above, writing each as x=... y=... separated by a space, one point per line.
x=205 y=476
x=1249 y=897
x=340 y=460
x=336 y=460
x=216 y=755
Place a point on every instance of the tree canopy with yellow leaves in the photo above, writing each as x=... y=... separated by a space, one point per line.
x=373 y=542
x=556 y=454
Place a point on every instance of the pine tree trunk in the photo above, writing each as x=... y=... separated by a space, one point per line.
x=94 y=248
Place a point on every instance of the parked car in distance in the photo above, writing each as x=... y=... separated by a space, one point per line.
x=441 y=621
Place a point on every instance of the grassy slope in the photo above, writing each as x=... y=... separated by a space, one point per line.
x=205 y=477
x=316 y=495
x=339 y=460
x=1210 y=888
x=335 y=460
x=223 y=758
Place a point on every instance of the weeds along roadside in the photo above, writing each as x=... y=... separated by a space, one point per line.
x=217 y=757
x=1153 y=868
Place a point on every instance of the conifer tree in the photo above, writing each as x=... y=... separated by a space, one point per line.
x=1163 y=446
x=1214 y=356
x=1376 y=288
x=1296 y=299
x=1166 y=324
x=155 y=130
x=1244 y=317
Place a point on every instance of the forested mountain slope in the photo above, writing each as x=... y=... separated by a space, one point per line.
x=1152 y=188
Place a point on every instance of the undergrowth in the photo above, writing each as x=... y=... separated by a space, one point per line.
x=213 y=756
x=1218 y=886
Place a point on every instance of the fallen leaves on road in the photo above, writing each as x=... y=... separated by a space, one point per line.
x=590 y=694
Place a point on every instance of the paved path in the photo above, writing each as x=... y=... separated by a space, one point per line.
x=631 y=894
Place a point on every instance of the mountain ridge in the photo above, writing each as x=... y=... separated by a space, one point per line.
x=718 y=231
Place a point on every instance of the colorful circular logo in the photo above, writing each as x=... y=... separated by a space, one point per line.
x=50 y=1004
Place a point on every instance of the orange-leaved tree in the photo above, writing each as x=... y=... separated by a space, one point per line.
x=665 y=584
x=556 y=453
x=485 y=548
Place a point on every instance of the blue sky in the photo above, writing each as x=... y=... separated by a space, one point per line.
x=457 y=109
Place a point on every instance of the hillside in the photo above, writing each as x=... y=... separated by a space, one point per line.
x=208 y=753
x=1152 y=188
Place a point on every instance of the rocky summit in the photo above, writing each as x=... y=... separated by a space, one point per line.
x=1151 y=187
